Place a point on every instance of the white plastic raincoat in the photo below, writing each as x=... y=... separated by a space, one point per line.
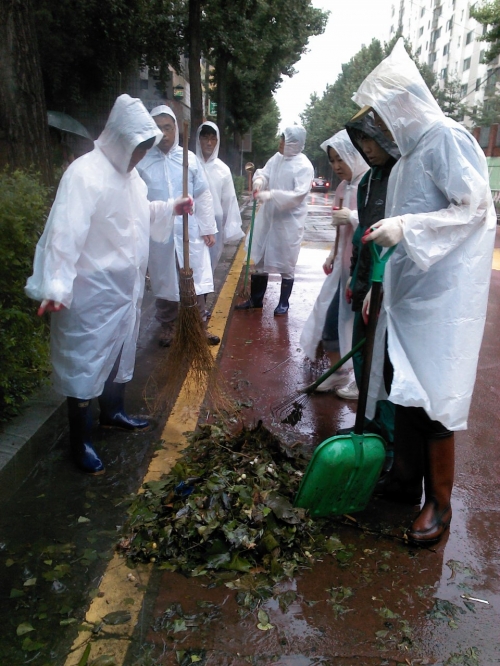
x=163 y=176
x=436 y=283
x=348 y=192
x=226 y=208
x=279 y=223
x=92 y=256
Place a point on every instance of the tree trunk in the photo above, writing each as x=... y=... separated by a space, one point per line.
x=221 y=73
x=195 y=69
x=24 y=131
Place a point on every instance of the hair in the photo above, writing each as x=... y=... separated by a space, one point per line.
x=206 y=129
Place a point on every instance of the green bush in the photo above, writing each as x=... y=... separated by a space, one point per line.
x=240 y=183
x=24 y=336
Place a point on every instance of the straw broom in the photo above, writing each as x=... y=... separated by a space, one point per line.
x=189 y=350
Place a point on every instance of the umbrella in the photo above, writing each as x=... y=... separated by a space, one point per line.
x=66 y=123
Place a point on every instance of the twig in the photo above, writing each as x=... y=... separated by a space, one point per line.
x=276 y=366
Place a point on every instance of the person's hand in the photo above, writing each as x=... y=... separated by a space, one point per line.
x=341 y=216
x=209 y=240
x=386 y=233
x=183 y=205
x=263 y=196
x=257 y=186
x=49 y=306
x=328 y=266
x=348 y=290
x=365 y=310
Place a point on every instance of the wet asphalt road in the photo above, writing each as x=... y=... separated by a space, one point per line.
x=407 y=606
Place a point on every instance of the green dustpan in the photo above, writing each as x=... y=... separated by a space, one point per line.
x=344 y=469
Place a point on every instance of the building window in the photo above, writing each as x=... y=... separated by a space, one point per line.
x=470 y=37
x=432 y=58
x=478 y=84
x=466 y=64
x=446 y=49
x=422 y=12
x=418 y=51
x=449 y=24
x=444 y=73
x=481 y=56
x=485 y=29
x=435 y=35
x=392 y=29
x=421 y=31
x=463 y=90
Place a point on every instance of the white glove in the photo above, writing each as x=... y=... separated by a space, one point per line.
x=386 y=233
x=257 y=186
x=183 y=205
x=263 y=196
x=365 y=310
x=342 y=216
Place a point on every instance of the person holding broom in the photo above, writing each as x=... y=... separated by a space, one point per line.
x=162 y=171
x=282 y=187
x=440 y=214
x=89 y=270
x=226 y=208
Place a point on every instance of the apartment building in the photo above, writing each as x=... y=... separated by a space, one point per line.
x=444 y=36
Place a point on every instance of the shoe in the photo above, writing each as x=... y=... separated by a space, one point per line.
x=286 y=290
x=212 y=339
x=166 y=335
x=349 y=392
x=258 y=286
x=113 y=414
x=334 y=381
x=80 y=436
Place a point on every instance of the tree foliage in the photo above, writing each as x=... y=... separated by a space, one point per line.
x=265 y=134
x=488 y=15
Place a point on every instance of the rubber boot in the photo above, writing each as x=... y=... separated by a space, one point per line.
x=435 y=517
x=286 y=290
x=258 y=286
x=113 y=413
x=80 y=436
x=403 y=483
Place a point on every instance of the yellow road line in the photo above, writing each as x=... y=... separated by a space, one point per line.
x=122 y=588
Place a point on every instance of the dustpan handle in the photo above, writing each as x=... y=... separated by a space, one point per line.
x=379 y=263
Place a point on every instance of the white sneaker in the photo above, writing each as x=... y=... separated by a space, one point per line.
x=349 y=392
x=334 y=381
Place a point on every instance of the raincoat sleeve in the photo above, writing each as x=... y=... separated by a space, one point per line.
x=455 y=169
x=288 y=199
x=161 y=215
x=231 y=211
x=204 y=211
x=63 y=239
x=265 y=172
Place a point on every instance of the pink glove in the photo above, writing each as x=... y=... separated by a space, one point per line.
x=263 y=196
x=386 y=232
x=183 y=205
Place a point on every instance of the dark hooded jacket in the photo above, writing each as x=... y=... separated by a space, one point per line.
x=371 y=204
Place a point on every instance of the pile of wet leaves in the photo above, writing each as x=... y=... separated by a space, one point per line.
x=227 y=505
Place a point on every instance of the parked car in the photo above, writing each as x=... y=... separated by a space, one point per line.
x=320 y=185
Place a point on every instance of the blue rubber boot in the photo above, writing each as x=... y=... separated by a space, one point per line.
x=286 y=290
x=80 y=435
x=113 y=413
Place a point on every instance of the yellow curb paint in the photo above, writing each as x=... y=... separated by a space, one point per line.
x=496 y=259
x=122 y=588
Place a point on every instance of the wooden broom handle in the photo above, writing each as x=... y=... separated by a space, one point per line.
x=185 y=168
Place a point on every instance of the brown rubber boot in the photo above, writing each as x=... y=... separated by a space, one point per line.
x=403 y=483
x=435 y=517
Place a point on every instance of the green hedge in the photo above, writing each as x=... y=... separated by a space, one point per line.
x=239 y=185
x=24 y=348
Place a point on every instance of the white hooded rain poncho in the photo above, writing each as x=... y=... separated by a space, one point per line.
x=436 y=282
x=279 y=223
x=93 y=254
x=347 y=192
x=225 y=202
x=163 y=176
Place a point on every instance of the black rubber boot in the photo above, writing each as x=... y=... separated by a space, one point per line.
x=113 y=413
x=258 y=286
x=286 y=290
x=80 y=436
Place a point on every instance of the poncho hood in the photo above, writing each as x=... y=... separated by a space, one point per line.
x=199 y=153
x=295 y=140
x=128 y=125
x=366 y=126
x=398 y=93
x=158 y=111
x=342 y=144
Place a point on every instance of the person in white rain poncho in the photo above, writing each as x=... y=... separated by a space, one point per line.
x=282 y=187
x=161 y=170
x=439 y=212
x=227 y=211
x=89 y=270
x=331 y=319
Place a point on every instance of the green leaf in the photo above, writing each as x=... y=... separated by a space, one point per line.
x=24 y=628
